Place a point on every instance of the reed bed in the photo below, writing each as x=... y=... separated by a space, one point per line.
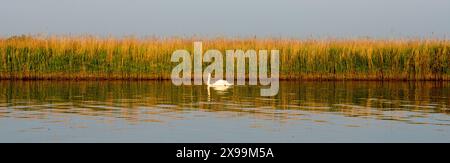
x=129 y=58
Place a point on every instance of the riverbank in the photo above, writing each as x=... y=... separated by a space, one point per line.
x=93 y=58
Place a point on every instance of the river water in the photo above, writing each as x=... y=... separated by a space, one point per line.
x=158 y=111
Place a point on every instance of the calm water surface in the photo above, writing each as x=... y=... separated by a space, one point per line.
x=150 y=111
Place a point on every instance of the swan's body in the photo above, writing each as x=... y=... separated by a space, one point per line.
x=218 y=83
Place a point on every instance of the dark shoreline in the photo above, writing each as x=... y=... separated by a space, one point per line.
x=168 y=79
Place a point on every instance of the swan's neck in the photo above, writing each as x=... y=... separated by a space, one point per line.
x=209 y=80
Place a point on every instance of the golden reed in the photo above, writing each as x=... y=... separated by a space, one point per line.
x=129 y=58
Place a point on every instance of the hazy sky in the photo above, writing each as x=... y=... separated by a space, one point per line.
x=288 y=18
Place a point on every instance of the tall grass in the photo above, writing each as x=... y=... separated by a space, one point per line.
x=88 y=57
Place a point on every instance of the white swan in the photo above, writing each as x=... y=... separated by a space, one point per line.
x=220 y=86
x=218 y=83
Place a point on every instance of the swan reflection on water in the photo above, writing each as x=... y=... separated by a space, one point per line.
x=218 y=89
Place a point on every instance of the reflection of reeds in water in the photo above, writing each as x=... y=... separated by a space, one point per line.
x=28 y=57
x=149 y=101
